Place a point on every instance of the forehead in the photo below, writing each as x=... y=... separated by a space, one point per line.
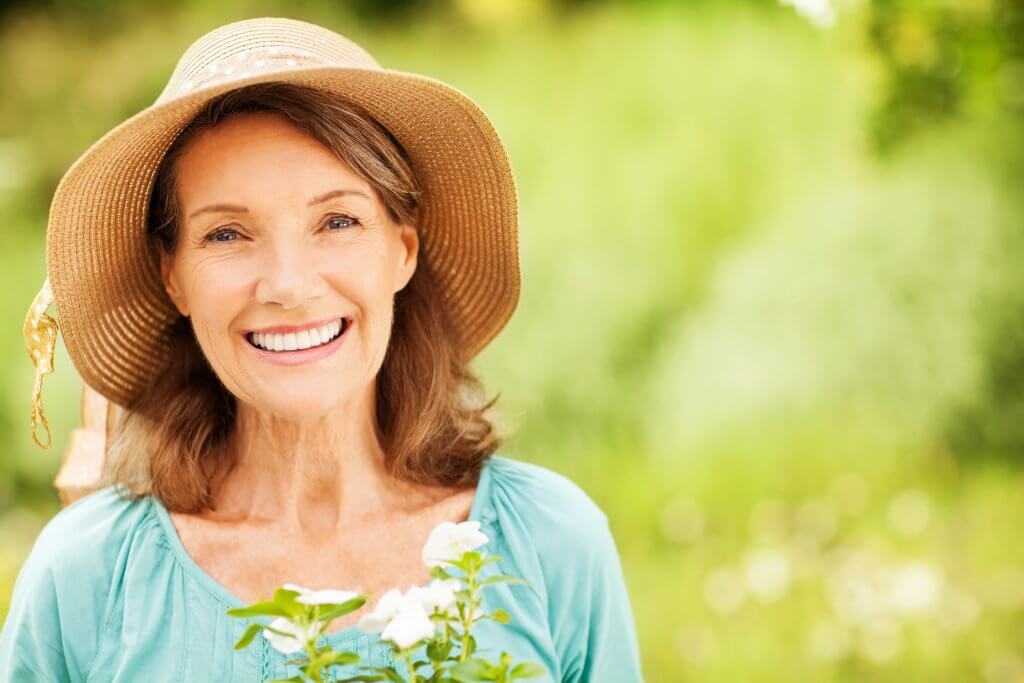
x=257 y=155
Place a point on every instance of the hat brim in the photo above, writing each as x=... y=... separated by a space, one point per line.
x=104 y=271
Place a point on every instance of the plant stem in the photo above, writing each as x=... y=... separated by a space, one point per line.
x=407 y=656
x=311 y=646
x=467 y=619
x=436 y=663
x=310 y=654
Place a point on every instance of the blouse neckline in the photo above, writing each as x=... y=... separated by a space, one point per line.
x=480 y=501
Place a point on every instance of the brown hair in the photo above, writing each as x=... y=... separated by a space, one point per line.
x=175 y=442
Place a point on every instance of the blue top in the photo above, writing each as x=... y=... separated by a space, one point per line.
x=109 y=594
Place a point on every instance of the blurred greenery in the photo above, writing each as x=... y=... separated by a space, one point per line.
x=772 y=315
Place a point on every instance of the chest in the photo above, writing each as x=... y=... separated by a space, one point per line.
x=251 y=562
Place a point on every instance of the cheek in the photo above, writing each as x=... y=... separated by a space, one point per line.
x=362 y=281
x=360 y=273
x=215 y=288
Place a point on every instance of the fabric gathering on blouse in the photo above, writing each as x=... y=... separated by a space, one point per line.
x=109 y=594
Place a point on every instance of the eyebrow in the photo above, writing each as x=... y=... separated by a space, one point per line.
x=213 y=208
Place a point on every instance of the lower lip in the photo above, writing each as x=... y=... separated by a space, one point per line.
x=304 y=356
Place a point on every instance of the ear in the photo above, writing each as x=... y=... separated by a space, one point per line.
x=170 y=279
x=408 y=254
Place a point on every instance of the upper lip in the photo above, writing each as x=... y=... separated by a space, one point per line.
x=286 y=329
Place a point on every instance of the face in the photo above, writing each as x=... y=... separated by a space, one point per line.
x=276 y=232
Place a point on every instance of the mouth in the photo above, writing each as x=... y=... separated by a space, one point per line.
x=298 y=341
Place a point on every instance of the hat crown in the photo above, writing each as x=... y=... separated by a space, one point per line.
x=262 y=45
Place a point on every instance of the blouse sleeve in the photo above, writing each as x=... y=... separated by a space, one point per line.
x=579 y=575
x=30 y=642
x=60 y=596
x=601 y=641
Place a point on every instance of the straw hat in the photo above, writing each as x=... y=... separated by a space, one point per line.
x=104 y=276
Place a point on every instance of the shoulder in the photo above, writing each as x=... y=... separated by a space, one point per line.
x=544 y=495
x=561 y=539
x=543 y=510
x=76 y=554
x=87 y=531
x=62 y=592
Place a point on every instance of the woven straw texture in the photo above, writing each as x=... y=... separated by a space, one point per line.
x=104 y=273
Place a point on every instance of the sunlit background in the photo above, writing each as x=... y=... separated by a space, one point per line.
x=772 y=316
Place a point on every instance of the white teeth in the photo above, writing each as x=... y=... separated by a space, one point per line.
x=297 y=340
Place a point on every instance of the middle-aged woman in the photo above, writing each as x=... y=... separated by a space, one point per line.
x=281 y=271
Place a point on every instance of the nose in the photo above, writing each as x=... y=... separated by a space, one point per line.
x=288 y=277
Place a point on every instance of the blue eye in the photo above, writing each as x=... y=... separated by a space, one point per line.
x=212 y=237
x=341 y=218
x=215 y=235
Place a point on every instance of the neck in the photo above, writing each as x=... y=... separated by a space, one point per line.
x=311 y=477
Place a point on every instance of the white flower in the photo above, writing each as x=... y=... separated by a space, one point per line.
x=308 y=596
x=438 y=595
x=293 y=642
x=385 y=609
x=449 y=540
x=410 y=623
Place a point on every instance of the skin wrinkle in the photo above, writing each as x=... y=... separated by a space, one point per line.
x=309 y=459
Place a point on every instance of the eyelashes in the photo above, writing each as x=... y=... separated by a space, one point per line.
x=228 y=230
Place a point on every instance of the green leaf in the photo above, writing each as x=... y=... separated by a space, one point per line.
x=502 y=578
x=501 y=616
x=527 y=670
x=471 y=561
x=438 y=652
x=389 y=674
x=471 y=645
x=263 y=608
x=332 y=658
x=336 y=610
x=248 y=636
x=329 y=658
x=285 y=599
x=491 y=558
x=363 y=678
x=473 y=670
x=279 y=631
x=293 y=679
x=440 y=573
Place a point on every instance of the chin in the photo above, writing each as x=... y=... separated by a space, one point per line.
x=305 y=411
x=301 y=408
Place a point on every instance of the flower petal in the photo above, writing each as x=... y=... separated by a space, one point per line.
x=448 y=540
x=285 y=643
x=410 y=624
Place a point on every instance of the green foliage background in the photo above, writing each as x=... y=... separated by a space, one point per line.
x=772 y=305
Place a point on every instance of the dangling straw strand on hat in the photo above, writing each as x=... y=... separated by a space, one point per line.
x=40 y=332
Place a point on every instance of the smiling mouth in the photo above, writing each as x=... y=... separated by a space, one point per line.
x=298 y=341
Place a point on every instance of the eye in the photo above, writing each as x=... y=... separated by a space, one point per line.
x=331 y=221
x=213 y=236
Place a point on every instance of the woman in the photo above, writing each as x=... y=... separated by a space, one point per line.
x=282 y=270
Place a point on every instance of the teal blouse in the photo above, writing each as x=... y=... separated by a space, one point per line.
x=109 y=594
